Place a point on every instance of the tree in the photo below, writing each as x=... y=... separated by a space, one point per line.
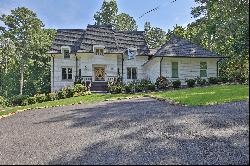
x=107 y=13
x=155 y=37
x=223 y=26
x=31 y=41
x=124 y=22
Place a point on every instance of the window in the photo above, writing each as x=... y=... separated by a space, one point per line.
x=99 y=51
x=65 y=50
x=203 y=69
x=175 y=70
x=66 y=54
x=67 y=73
x=131 y=73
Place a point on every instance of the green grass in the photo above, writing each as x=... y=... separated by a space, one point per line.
x=193 y=97
x=206 y=96
x=95 y=98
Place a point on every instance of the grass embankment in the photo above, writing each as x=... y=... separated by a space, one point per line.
x=193 y=97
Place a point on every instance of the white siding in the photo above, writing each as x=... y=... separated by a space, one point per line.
x=59 y=63
x=188 y=67
x=137 y=62
x=152 y=69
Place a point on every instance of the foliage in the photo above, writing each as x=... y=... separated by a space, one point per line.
x=176 y=84
x=190 y=83
x=201 y=81
x=124 y=22
x=52 y=96
x=162 y=82
x=108 y=15
x=18 y=99
x=3 y=102
x=40 y=98
x=213 y=80
x=155 y=37
x=27 y=59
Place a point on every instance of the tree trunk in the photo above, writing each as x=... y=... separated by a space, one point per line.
x=21 y=79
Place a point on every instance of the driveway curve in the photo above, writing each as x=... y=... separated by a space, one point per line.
x=137 y=131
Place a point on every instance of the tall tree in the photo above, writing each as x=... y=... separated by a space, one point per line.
x=26 y=31
x=155 y=37
x=124 y=22
x=107 y=13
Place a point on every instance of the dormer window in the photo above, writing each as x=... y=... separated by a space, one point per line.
x=131 y=53
x=65 y=50
x=98 y=50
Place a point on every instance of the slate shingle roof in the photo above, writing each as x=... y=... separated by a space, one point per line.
x=114 y=41
x=119 y=41
x=177 y=47
x=68 y=37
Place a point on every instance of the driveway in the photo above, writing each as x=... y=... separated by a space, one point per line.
x=138 y=131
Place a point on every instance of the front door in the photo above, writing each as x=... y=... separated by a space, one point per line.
x=99 y=74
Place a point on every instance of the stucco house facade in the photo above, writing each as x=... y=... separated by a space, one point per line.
x=100 y=54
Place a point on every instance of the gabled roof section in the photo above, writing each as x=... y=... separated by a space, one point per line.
x=177 y=47
x=68 y=37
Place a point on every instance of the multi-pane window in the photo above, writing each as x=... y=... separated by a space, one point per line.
x=67 y=73
x=175 y=70
x=66 y=53
x=99 y=51
x=203 y=69
x=131 y=73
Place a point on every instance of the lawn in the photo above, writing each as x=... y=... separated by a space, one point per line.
x=95 y=98
x=193 y=97
x=206 y=96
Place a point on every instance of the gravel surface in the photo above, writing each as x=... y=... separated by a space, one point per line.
x=138 y=131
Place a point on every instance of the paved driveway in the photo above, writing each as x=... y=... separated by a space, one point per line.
x=138 y=131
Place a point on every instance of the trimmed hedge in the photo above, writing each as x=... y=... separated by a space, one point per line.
x=176 y=84
x=190 y=83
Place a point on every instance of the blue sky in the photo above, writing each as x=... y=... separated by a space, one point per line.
x=79 y=13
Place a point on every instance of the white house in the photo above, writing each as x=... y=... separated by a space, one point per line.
x=100 y=54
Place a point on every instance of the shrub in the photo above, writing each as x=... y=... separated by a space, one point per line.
x=176 y=84
x=201 y=81
x=223 y=79
x=40 y=98
x=162 y=82
x=17 y=100
x=213 y=80
x=3 y=102
x=62 y=94
x=69 y=92
x=128 y=88
x=79 y=88
x=151 y=87
x=52 y=96
x=190 y=83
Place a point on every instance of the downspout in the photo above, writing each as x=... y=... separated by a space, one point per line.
x=161 y=67
x=76 y=68
x=53 y=73
x=122 y=66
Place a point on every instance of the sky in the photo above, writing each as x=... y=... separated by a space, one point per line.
x=67 y=14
